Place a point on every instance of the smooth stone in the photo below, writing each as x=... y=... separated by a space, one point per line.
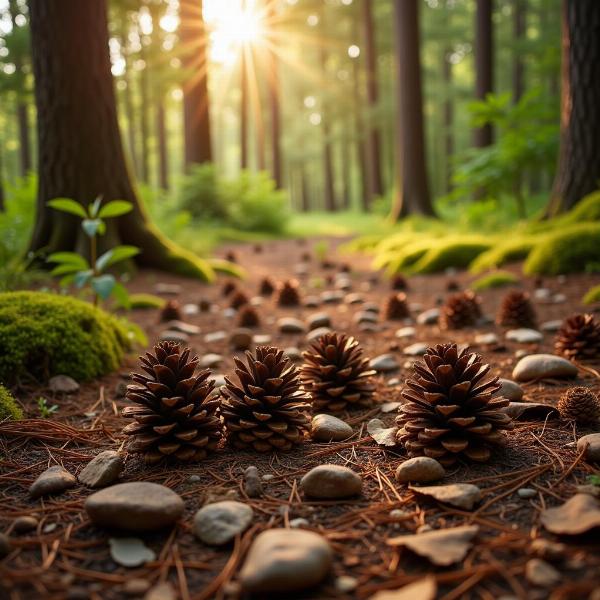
x=420 y=469
x=286 y=560
x=559 y=298
x=521 y=353
x=343 y=284
x=218 y=523
x=417 y=349
x=52 y=481
x=229 y=312
x=174 y=336
x=241 y=338
x=524 y=336
x=384 y=363
x=301 y=269
x=5 y=545
x=547 y=549
x=130 y=552
x=354 y=298
x=219 y=379
x=136 y=586
x=268 y=477
x=486 y=339
x=298 y=523
x=510 y=390
x=406 y=332
x=104 y=469
x=290 y=325
x=331 y=297
x=24 y=524
x=209 y=361
x=134 y=506
x=215 y=336
x=252 y=483
x=415 y=307
x=429 y=317
x=63 y=384
x=194 y=478
x=293 y=353
x=526 y=493
x=345 y=584
x=168 y=289
x=257 y=301
x=369 y=327
x=262 y=339
x=540 y=573
x=542 y=294
x=365 y=316
x=551 y=326
x=315 y=334
x=591 y=443
x=161 y=591
x=311 y=302
x=372 y=307
x=327 y=428
x=331 y=481
x=319 y=320
x=538 y=366
x=183 y=327
x=190 y=310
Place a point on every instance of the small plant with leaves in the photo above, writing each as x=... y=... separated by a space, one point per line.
x=46 y=411
x=81 y=271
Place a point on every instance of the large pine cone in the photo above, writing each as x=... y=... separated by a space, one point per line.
x=516 y=310
x=336 y=375
x=579 y=404
x=396 y=307
x=579 y=338
x=176 y=414
x=450 y=411
x=268 y=410
x=460 y=310
x=288 y=294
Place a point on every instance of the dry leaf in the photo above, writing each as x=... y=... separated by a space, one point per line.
x=533 y=410
x=382 y=435
x=577 y=515
x=461 y=495
x=423 y=589
x=443 y=547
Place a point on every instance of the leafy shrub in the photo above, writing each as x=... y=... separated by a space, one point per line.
x=567 y=251
x=199 y=194
x=46 y=334
x=495 y=280
x=592 y=295
x=450 y=253
x=8 y=406
x=503 y=253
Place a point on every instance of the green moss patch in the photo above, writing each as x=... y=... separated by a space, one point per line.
x=450 y=253
x=8 y=406
x=586 y=210
x=145 y=301
x=503 y=253
x=592 y=295
x=497 y=279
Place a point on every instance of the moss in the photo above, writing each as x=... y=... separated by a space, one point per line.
x=592 y=295
x=226 y=267
x=46 y=334
x=567 y=251
x=496 y=279
x=404 y=259
x=451 y=252
x=585 y=211
x=504 y=253
x=145 y=301
x=8 y=406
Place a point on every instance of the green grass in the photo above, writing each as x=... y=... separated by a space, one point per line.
x=592 y=295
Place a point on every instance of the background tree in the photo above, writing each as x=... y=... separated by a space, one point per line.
x=484 y=65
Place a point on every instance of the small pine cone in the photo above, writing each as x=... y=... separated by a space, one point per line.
x=231 y=257
x=579 y=404
x=267 y=287
x=450 y=410
x=345 y=268
x=399 y=283
x=516 y=310
x=228 y=288
x=248 y=317
x=268 y=410
x=579 y=338
x=336 y=375
x=452 y=285
x=258 y=248
x=396 y=307
x=460 y=310
x=288 y=294
x=170 y=311
x=204 y=305
x=305 y=257
x=175 y=416
x=238 y=299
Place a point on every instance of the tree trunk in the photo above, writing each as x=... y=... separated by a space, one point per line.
x=80 y=150
x=519 y=31
x=484 y=72
x=372 y=141
x=130 y=115
x=328 y=181
x=161 y=140
x=578 y=170
x=412 y=195
x=196 y=118
x=361 y=154
x=2 y=203
x=243 y=108
x=143 y=116
x=274 y=102
x=448 y=119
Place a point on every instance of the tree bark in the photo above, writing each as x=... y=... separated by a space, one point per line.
x=412 y=195
x=328 y=180
x=80 y=151
x=484 y=71
x=578 y=170
x=274 y=102
x=143 y=117
x=361 y=153
x=196 y=117
x=519 y=30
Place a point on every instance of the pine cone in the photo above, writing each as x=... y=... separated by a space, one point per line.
x=579 y=338
x=450 y=411
x=231 y=257
x=267 y=287
x=176 y=414
x=228 y=288
x=170 y=311
x=335 y=373
x=238 y=299
x=399 y=283
x=288 y=294
x=452 y=285
x=248 y=317
x=579 y=404
x=268 y=410
x=516 y=310
x=396 y=307
x=461 y=310
x=204 y=305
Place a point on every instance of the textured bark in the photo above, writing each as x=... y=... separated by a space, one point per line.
x=412 y=186
x=130 y=116
x=360 y=150
x=161 y=141
x=80 y=150
x=519 y=29
x=274 y=102
x=484 y=72
x=144 y=114
x=578 y=170
x=196 y=118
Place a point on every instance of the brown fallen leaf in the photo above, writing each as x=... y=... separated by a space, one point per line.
x=382 y=435
x=577 y=515
x=423 y=589
x=443 y=547
x=533 y=410
x=461 y=495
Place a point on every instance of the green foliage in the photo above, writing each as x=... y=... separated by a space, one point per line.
x=494 y=280
x=200 y=196
x=46 y=411
x=566 y=251
x=9 y=409
x=593 y=479
x=592 y=295
x=45 y=334
x=503 y=253
x=450 y=253
x=144 y=301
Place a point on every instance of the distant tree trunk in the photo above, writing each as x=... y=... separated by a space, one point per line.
x=80 y=150
x=274 y=103
x=305 y=191
x=259 y=121
x=484 y=72
x=130 y=116
x=328 y=180
x=519 y=31
x=448 y=118
x=2 y=202
x=144 y=126
x=196 y=117
x=412 y=195
x=361 y=154
x=161 y=140
x=372 y=140
x=345 y=171
x=578 y=170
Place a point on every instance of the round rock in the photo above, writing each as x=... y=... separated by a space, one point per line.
x=285 y=560
x=384 y=363
x=218 y=523
x=537 y=366
x=524 y=336
x=135 y=506
x=52 y=481
x=591 y=443
x=104 y=469
x=510 y=390
x=327 y=428
x=290 y=325
x=331 y=481
x=319 y=320
x=63 y=384
x=420 y=469
x=241 y=339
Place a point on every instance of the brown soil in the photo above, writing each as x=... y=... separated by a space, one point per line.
x=68 y=558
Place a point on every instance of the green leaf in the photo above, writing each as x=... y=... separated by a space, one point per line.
x=67 y=280
x=94 y=207
x=69 y=206
x=82 y=278
x=116 y=208
x=115 y=255
x=65 y=269
x=103 y=285
x=122 y=296
x=68 y=258
x=91 y=226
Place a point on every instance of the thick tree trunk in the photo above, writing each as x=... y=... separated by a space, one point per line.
x=80 y=150
x=448 y=119
x=130 y=116
x=519 y=30
x=578 y=170
x=143 y=120
x=161 y=140
x=274 y=102
x=196 y=118
x=412 y=186
x=484 y=71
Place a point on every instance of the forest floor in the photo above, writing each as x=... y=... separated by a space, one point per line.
x=68 y=557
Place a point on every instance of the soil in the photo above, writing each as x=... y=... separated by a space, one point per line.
x=67 y=557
